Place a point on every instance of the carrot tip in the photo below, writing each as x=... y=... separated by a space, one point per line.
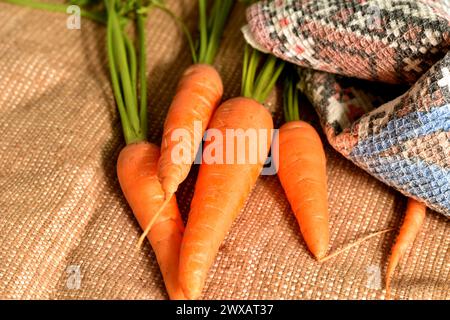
x=388 y=295
x=192 y=294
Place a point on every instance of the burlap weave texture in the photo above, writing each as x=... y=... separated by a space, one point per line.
x=61 y=206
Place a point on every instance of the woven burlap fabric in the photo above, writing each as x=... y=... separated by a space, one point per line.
x=61 y=206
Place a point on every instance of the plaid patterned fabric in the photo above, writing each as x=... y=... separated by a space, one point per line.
x=397 y=132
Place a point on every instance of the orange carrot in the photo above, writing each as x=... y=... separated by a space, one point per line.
x=198 y=94
x=136 y=169
x=220 y=193
x=137 y=162
x=302 y=172
x=414 y=217
x=222 y=188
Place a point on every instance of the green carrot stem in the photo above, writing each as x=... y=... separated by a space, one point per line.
x=128 y=133
x=142 y=72
x=211 y=28
x=290 y=96
x=292 y=102
x=121 y=58
x=122 y=61
x=296 y=106
x=263 y=96
x=203 y=27
x=183 y=27
x=244 y=69
x=219 y=20
x=212 y=15
x=285 y=100
x=56 y=7
x=250 y=74
x=131 y=54
x=264 y=76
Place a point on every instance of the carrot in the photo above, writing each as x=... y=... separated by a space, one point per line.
x=222 y=188
x=302 y=172
x=137 y=162
x=414 y=217
x=198 y=94
x=136 y=170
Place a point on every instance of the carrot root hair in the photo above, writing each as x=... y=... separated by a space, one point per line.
x=351 y=245
x=152 y=222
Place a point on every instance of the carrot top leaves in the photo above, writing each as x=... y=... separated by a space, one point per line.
x=95 y=15
x=211 y=28
x=290 y=96
x=257 y=84
x=127 y=67
x=160 y=5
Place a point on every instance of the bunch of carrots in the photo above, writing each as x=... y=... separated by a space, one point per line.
x=149 y=177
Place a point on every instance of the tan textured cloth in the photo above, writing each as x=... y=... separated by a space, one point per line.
x=61 y=207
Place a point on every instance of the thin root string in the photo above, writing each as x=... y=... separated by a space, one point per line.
x=151 y=223
x=351 y=245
